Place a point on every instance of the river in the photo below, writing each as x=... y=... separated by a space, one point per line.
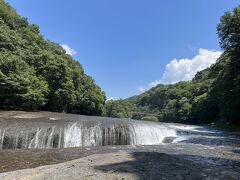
x=43 y=138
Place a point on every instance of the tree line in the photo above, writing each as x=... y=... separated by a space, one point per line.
x=213 y=95
x=36 y=73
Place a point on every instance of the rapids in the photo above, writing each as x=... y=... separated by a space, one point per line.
x=65 y=130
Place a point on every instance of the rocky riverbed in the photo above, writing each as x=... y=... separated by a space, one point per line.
x=201 y=154
x=171 y=161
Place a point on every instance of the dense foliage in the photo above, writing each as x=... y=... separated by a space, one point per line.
x=38 y=74
x=212 y=96
x=118 y=109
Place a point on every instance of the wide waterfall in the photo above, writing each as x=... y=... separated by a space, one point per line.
x=77 y=131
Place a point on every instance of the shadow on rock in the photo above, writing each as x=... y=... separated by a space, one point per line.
x=153 y=165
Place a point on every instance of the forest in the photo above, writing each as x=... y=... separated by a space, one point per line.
x=213 y=95
x=37 y=74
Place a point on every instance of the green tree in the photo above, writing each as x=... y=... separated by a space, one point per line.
x=38 y=74
x=118 y=109
x=229 y=29
x=228 y=82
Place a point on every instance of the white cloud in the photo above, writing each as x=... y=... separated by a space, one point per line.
x=110 y=98
x=186 y=69
x=141 y=89
x=68 y=50
x=154 y=83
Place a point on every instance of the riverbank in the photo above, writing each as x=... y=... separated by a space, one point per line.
x=170 y=161
x=105 y=148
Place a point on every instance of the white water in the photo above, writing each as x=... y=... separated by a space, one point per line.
x=145 y=134
x=78 y=134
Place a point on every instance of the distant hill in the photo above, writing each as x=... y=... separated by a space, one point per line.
x=38 y=74
x=212 y=96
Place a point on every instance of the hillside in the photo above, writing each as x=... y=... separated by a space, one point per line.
x=213 y=95
x=36 y=73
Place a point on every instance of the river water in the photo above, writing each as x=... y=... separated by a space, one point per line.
x=65 y=130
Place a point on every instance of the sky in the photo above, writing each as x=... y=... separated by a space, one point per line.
x=129 y=46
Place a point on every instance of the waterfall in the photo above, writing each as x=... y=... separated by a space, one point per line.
x=150 y=134
x=58 y=134
x=73 y=136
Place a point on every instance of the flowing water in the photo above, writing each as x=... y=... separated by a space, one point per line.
x=185 y=151
x=62 y=131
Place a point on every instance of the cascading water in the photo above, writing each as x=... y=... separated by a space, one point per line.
x=148 y=134
x=78 y=131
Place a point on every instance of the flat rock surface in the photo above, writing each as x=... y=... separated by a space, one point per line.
x=204 y=155
x=173 y=161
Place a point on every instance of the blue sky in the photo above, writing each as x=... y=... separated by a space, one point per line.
x=126 y=45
